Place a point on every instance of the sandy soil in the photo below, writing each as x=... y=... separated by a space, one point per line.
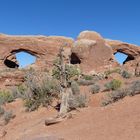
x=119 y=121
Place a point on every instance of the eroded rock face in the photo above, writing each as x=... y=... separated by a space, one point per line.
x=126 y=48
x=44 y=48
x=132 y=61
x=90 y=51
x=11 y=62
x=90 y=35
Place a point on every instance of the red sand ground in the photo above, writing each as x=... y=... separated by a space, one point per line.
x=118 y=121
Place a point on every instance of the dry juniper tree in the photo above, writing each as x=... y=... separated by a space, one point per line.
x=65 y=90
x=61 y=75
x=70 y=97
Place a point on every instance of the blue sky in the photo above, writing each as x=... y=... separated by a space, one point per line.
x=114 y=19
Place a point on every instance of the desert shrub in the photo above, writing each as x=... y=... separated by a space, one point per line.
x=75 y=88
x=134 y=88
x=126 y=74
x=1 y=111
x=116 y=70
x=70 y=70
x=41 y=90
x=31 y=105
x=87 y=77
x=7 y=116
x=77 y=101
x=84 y=82
x=113 y=85
x=6 y=97
x=114 y=96
x=19 y=91
x=94 y=88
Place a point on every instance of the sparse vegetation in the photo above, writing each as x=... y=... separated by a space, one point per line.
x=126 y=74
x=77 y=101
x=1 y=111
x=87 y=77
x=70 y=70
x=75 y=88
x=94 y=88
x=84 y=82
x=114 y=96
x=19 y=91
x=7 y=116
x=113 y=85
x=134 y=88
x=6 y=97
x=41 y=90
x=116 y=70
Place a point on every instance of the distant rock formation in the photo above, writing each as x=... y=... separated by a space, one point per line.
x=132 y=51
x=90 y=51
x=44 y=48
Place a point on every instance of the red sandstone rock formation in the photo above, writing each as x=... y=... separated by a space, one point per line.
x=93 y=52
x=44 y=48
x=133 y=52
x=90 y=51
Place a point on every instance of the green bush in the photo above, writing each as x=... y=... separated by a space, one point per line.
x=6 y=97
x=31 y=105
x=116 y=70
x=114 y=96
x=113 y=85
x=77 y=101
x=7 y=116
x=94 y=88
x=126 y=74
x=84 y=82
x=75 y=88
x=41 y=90
x=19 y=91
x=1 y=111
x=87 y=77
x=134 y=88
x=70 y=70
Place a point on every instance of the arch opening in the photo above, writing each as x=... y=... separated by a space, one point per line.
x=74 y=59
x=122 y=58
x=20 y=59
x=11 y=64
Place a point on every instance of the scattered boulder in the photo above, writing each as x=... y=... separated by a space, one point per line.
x=2 y=133
x=90 y=35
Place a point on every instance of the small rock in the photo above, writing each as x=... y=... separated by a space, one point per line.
x=2 y=133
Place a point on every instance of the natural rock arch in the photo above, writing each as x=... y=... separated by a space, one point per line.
x=11 y=60
x=129 y=57
x=74 y=59
x=129 y=49
x=90 y=50
x=44 y=48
